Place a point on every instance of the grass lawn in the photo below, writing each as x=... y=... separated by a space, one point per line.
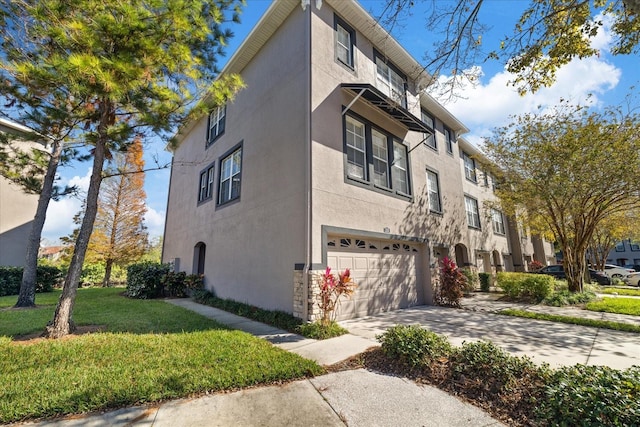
x=620 y=291
x=148 y=351
x=604 y=324
x=616 y=305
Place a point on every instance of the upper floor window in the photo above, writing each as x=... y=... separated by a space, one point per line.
x=390 y=81
x=635 y=246
x=429 y=139
x=473 y=215
x=216 y=123
x=206 y=184
x=345 y=40
x=229 y=183
x=497 y=220
x=448 y=140
x=374 y=157
x=433 y=190
x=469 y=167
x=620 y=247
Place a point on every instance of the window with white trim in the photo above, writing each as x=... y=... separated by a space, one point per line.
x=448 y=140
x=473 y=215
x=375 y=158
x=429 y=139
x=216 y=123
x=390 y=81
x=230 y=168
x=469 y=167
x=345 y=40
x=206 y=184
x=433 y=192
x=497 y=219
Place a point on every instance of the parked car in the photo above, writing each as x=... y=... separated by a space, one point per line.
x=635 y=267
x=557 y=271
x=617 y=271
x=632 y=279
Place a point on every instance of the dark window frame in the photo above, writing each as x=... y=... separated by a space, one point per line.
x=437 y=178
x=339 y=22
x=450 y=140
x=368 y=181
x=477 y=212
x=220 y=124
x=209 y=174
x=471 y=174
x=229 y=154
x=429 y=140
x=623 y=247
x=377 y=56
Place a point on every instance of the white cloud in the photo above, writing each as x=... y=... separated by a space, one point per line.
x=490 y=105
x=154 y=221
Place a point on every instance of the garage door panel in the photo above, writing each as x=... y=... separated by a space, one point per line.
x=387 y=279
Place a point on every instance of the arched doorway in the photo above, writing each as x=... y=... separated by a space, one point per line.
x=462 y=255
x=497 y=261
x=199 y=252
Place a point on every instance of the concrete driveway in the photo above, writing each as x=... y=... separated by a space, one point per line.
x=554 y=343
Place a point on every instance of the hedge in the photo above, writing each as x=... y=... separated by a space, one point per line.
x=526 y=285
x=10 y=278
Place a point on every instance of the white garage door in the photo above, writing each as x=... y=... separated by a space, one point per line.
x=387 y=274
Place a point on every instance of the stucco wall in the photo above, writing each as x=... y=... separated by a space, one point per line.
x=252 y=244
x=17 y=210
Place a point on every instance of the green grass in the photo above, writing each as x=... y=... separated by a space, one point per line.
x=152 y=351
x=629 y=306
x=620 y=291
x=604 y=324
x=318 y=331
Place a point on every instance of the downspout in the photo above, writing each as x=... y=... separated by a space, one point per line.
x=308 y=241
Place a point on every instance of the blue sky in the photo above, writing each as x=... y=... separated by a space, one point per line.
x=481 y=108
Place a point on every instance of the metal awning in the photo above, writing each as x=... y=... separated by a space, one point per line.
x=378 y=99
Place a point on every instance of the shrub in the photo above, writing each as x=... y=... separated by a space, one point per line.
x=332 y=288
x=528 y=286
x=144 y=280
x=414 y=345
x=535 y=265
x=320 y=331
x=452 y=283
x=592 y=395
x=194 y=281
x=10 y=278
x=564 y=297
x=173 y=283
x=92 y=274
x=485 y=281
x=471 y=280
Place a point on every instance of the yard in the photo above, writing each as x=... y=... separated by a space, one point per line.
x=139 y=351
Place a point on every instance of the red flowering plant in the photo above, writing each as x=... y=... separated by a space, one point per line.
x=535 y=265
x=332 y=288
x=452 y=282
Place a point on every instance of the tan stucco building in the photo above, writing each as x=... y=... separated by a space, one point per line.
x=333 y=155
x=17 y=210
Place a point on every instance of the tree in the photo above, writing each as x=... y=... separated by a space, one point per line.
x=119 y=235
x=548 y=35
x=568 y=170
x=104 y=72
x=610 y=231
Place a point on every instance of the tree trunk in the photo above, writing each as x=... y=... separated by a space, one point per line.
x=62 y=323
x=27 y=295
x=107 y=273
x=574 y=268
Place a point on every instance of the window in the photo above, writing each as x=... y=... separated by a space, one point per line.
x=485 y=177
x=216 y=123
x=230 y=168
x=635 y=246
x=374 y=157
x=473 y=217
x=433 y=192
x=498 y=221
x=356 y=148
x=206 y=184
x=448 y=140
x=380 y=156
x=620 y=247
x=469 y=167
x=429 y=139
x=345 y=38
x=391 y=82
x=399 y=168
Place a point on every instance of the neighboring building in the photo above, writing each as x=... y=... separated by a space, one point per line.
x=51 y=253
x=17 y=210
x=334 y=156
x=625 y=252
